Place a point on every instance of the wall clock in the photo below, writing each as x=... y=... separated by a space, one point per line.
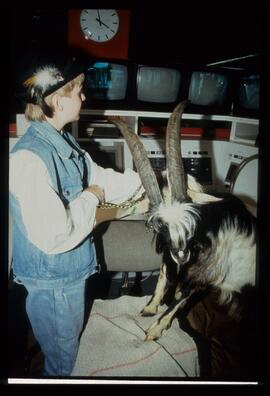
x=99 y=25
x=101 y=33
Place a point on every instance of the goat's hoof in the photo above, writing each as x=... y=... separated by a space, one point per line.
x=150 y=338
x=154 y=332
x=147 y=311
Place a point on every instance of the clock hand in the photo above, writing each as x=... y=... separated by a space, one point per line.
x=98 y=19
x=102 y=23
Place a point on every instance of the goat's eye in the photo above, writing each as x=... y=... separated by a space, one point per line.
x=159 y=223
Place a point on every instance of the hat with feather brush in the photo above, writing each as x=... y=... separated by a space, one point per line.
x=45 y=71
x=49 y=77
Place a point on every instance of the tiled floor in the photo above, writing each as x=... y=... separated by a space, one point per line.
x=25 y=358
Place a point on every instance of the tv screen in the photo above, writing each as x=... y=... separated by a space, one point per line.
x=208 y=88
x=157 y=84
x=249 y=92
x=106 y=81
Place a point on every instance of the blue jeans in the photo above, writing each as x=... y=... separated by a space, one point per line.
x=57 y=316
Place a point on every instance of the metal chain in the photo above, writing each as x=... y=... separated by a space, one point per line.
x=124 y=205
x=128 y=204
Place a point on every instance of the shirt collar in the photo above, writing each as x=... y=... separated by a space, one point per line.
x=49 y=133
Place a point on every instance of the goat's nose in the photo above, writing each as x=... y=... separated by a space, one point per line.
x=177 y=255
x=177 y=252
x=180 y=256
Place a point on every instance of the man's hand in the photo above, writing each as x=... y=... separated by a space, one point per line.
x=97 y=191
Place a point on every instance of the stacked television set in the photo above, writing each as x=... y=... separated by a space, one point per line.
x=208 y=90
x=108 y=84
x=159 y=87
x=247 y=94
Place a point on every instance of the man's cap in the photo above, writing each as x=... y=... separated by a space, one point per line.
x=49 y=72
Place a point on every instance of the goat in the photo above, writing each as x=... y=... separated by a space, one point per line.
x=210 y=240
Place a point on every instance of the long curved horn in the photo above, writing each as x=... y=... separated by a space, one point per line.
x=175 y=168
x=142 y=163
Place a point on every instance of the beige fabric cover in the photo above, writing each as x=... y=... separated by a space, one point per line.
x=112 y=344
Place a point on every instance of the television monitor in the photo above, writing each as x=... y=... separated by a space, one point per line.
x=210 y=92
x=247 y=95
x=158 y=87
x=106 y=84
x=158 y=84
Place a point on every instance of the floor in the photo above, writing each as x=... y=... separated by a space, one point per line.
x=25 y=358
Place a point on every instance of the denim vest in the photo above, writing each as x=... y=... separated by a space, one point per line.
x=69 y=172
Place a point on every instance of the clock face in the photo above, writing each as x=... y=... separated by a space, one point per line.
x=99 y=25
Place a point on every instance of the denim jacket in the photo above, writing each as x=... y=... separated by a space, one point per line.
x=69 y=172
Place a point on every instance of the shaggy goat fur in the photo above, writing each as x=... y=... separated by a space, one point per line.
x=212 y=243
